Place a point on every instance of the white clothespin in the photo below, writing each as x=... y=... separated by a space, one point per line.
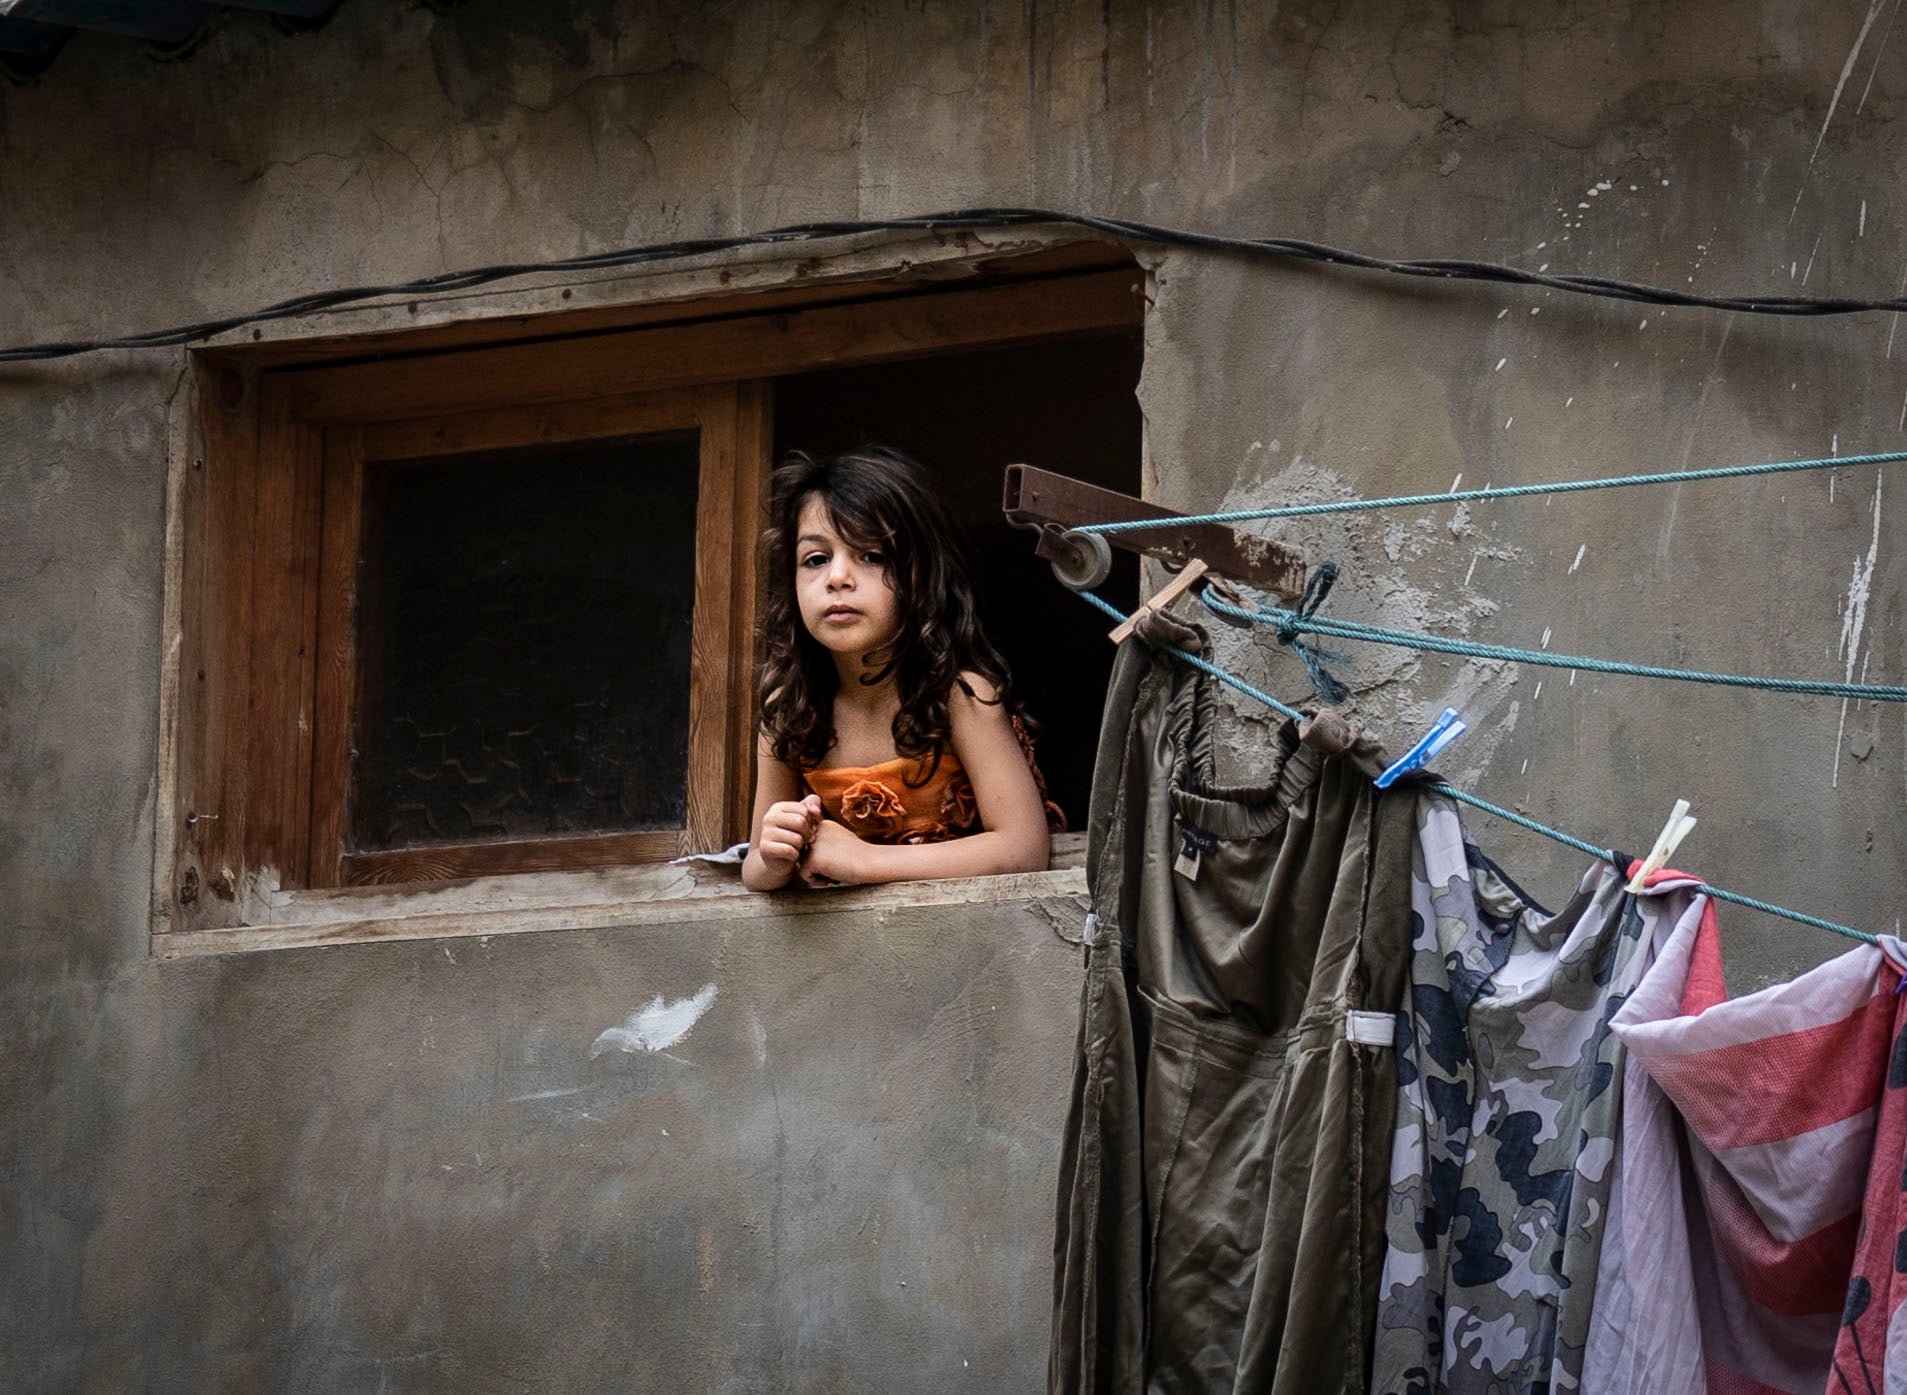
x=1666 y=842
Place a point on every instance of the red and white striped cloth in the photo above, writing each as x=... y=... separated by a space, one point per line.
x=1755 y=1238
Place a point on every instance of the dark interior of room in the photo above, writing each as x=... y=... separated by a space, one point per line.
x=1066 y=406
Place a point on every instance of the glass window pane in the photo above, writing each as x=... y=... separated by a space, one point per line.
x=524 y=627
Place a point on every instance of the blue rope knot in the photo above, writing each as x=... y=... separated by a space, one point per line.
x=1288 y=626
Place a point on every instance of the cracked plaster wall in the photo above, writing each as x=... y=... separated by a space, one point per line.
x=398 y=1167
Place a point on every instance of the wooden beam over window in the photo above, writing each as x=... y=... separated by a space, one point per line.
x=721 y=350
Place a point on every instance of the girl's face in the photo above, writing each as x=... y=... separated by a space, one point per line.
x=846 y=599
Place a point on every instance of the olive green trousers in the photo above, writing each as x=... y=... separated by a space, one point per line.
x=1227 y=1154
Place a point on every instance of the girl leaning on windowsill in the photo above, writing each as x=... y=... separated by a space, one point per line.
x=890 y=747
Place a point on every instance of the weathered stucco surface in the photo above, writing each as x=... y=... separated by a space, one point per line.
x=400 y=1167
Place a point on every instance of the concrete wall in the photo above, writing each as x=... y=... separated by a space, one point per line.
x=399 y=1167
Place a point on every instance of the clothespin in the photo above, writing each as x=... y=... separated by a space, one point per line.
x=1443 y=731
x=1666 y=842
x=1186 y=579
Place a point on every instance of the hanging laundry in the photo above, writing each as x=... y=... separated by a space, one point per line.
x=1756 y=1242
x=1222 y=1184
x=1506 y=1121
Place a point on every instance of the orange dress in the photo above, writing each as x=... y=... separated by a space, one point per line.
x=877 y=802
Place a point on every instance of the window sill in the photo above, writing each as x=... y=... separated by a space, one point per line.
x=591 y=900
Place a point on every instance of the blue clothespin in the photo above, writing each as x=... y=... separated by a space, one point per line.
x=1446 y=729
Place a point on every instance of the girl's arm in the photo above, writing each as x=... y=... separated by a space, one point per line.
x=1015 y=838
x=783 y=823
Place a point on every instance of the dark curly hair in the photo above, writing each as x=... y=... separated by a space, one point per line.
x=875 y=498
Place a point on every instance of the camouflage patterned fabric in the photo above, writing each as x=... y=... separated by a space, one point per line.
x=1507 y=1114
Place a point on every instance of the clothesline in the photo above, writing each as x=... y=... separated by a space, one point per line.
x=1598 y=1041
x=1510 y=491
x=1291 y=623
x=1462 y=796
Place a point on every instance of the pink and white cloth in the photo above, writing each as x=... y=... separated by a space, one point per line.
x=1755 y=1240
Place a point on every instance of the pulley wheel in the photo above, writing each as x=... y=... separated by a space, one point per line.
x=1087 y=563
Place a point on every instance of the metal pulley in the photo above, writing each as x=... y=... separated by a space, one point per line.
x=1080 y=561
x=1057 y=507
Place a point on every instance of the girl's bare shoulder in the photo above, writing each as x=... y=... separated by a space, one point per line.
x=973 y=692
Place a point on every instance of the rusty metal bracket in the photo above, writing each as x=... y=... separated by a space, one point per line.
x=1055 y=504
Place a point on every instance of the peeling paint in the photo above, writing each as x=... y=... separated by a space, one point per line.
x=1066 y=919
x=1386 y=693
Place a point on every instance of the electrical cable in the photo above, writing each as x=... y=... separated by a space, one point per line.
x=1521 y=820
x=973 y=220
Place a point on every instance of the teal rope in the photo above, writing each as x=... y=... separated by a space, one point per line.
x=1513 y=491
x=1522 y=821
x=1784 y=912
x=1604 y=855
x=1202 y=665
x=1290 y=622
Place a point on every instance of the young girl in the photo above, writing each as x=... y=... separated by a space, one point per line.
x=891 y=748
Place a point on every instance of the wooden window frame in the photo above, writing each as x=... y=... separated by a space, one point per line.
x=267 y=526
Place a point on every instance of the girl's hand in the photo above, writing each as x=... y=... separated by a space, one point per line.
x=834 y=856
x=786 y=830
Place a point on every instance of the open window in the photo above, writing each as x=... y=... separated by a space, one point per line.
x=1070 y=406
x=451 y=607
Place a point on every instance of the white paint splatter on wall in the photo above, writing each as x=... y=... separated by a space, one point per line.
x=1854 y=618
x=1847 y=68
x=658 y=1026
